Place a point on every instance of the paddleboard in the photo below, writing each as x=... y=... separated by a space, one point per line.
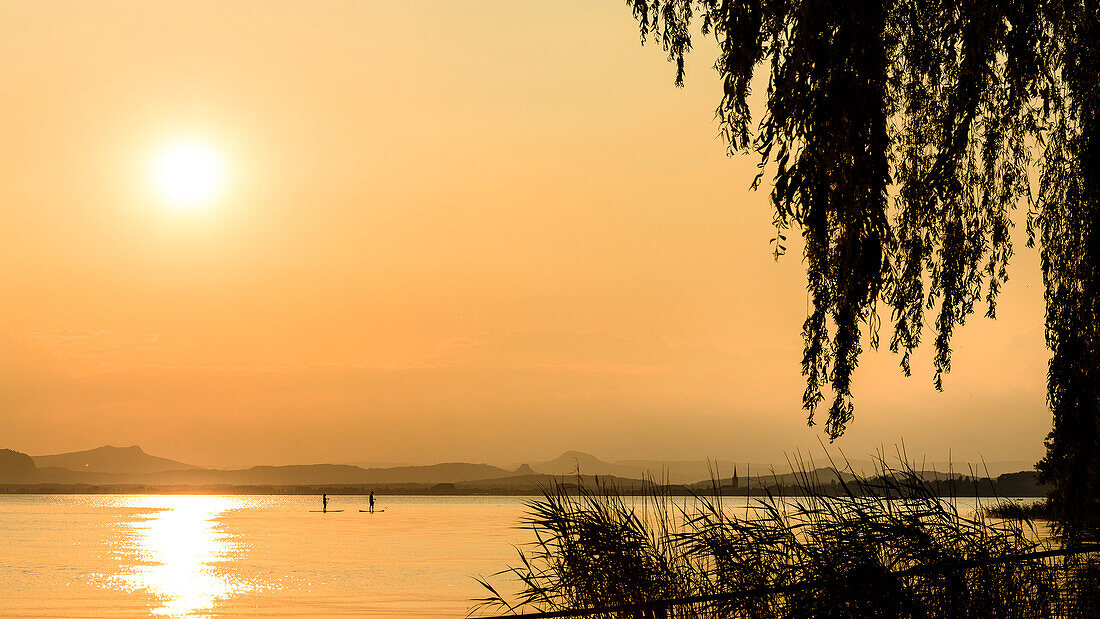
x=367 y=511
x=322 y=511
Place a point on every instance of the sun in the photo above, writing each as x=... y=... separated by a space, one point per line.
x=188 y=174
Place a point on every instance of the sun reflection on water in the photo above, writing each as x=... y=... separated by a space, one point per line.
x=176 y=548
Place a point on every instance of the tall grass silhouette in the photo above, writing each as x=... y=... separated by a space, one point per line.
x=888 y=546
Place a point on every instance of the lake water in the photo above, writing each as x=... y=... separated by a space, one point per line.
x=262 y=556
x=197 y=556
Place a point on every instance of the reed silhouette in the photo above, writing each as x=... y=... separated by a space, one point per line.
x=888 y=547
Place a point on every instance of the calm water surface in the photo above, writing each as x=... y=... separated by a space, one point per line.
x=200 y=556
x=197 y=556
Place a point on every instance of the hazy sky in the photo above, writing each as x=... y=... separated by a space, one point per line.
x=481 y=231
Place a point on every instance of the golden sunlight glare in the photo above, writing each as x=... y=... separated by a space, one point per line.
x=188 y=174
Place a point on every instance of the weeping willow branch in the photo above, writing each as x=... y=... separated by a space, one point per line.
x=895 y=135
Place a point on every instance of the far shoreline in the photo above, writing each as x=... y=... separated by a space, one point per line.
x=947 y=490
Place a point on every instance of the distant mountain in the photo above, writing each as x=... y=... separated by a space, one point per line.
x=526 y=483
x=672 y=471
x=691 y=471
x=372 y=464
x=18 y=472
x=450 y=472
x=826 y=476
x=292 y=475
x=826 y=479
x=571 y=461
x=994 y=469
x=132 y=466
x=16 y=466
x=107 y=459
x=819 y=476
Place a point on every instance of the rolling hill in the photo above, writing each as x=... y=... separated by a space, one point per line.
x=108 y=459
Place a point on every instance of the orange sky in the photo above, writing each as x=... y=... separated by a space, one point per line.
x=484 y=231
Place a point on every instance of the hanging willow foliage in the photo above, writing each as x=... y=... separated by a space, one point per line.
x=1067 y=223
x=897 y=136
